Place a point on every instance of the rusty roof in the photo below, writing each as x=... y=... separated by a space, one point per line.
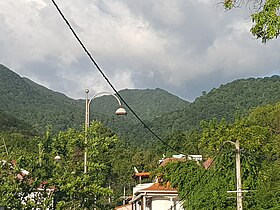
x=208 y=163
x=142 y=175
x=159 y=187
x=168 y=160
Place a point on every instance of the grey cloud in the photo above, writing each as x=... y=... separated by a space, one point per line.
x=184 y=47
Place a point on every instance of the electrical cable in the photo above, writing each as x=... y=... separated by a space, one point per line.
x=108 y=81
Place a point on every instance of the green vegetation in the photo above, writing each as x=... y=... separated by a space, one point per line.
x=37 y=105
x=165 y=113
x=259 y=135
x=265 y=16
x=110 y=163
x=11 y=124
x=227 y=101
x=72 y=188
x=246 y=109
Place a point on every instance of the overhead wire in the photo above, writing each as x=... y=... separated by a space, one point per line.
x=122 y=99
x=108 y=81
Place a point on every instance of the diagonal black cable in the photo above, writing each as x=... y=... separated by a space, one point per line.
x=108 y=81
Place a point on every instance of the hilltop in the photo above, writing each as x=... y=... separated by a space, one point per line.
x=26 y=102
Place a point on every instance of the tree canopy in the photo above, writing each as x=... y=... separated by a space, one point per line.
x=63 y=183
x=265 y=17
x=259 y=135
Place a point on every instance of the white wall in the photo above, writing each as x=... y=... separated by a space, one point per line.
x=160 y=203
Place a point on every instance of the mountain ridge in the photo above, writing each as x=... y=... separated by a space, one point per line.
x=160 y=110
x=33 y=103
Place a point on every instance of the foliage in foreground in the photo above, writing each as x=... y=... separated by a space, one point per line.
x=265 y=17
x=111 y=162
x=70 y=187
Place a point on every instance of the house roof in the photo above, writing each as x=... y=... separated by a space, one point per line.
x=168 y=160
x=208 y=163
x=158 y=187
x=155 y=189
x=142 y=174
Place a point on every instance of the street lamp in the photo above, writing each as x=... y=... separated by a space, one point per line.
x=120 y=111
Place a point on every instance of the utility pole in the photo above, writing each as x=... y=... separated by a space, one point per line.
x=86 y=130
x=238 y=175
x=41 y=150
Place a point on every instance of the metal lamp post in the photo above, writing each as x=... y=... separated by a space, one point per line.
x=119 y=111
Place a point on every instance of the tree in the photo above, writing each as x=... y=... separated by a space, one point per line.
x=62 y=184
x=265 y=17
x=75 y=188
x=259 y=135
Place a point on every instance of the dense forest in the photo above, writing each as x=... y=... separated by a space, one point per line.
x=208 y=188
x=160 y=110
x=38 y=124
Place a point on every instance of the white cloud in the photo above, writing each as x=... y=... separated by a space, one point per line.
x=138 y=44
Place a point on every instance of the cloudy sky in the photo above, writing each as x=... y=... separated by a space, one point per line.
x=182 y=46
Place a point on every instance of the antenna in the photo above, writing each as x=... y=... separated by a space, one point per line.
x=136 y=170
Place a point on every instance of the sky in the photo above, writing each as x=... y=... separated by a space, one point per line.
x=182 y=46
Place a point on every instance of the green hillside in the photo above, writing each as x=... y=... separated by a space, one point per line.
x=163 y=112
x=226 y=101
x=35 y=104
x=10 y=124
x=39 y=106
x=26 y=108
x=147 y=104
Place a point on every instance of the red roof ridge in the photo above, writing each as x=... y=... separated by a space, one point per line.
x=208 y=163
x=142 y=174
x=159 y=187
x=172 y=159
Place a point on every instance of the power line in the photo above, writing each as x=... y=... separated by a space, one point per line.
x=108 y=81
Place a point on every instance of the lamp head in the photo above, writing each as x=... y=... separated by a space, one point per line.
x=121 y=111
x=57 y=158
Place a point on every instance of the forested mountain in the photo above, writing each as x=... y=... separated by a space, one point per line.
x=26 y=108
x=235 y=98
x=163 y=112
x=39 y=106
x=9 y=123
x=147 y=104
x=35 y=104
x=227 y=101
